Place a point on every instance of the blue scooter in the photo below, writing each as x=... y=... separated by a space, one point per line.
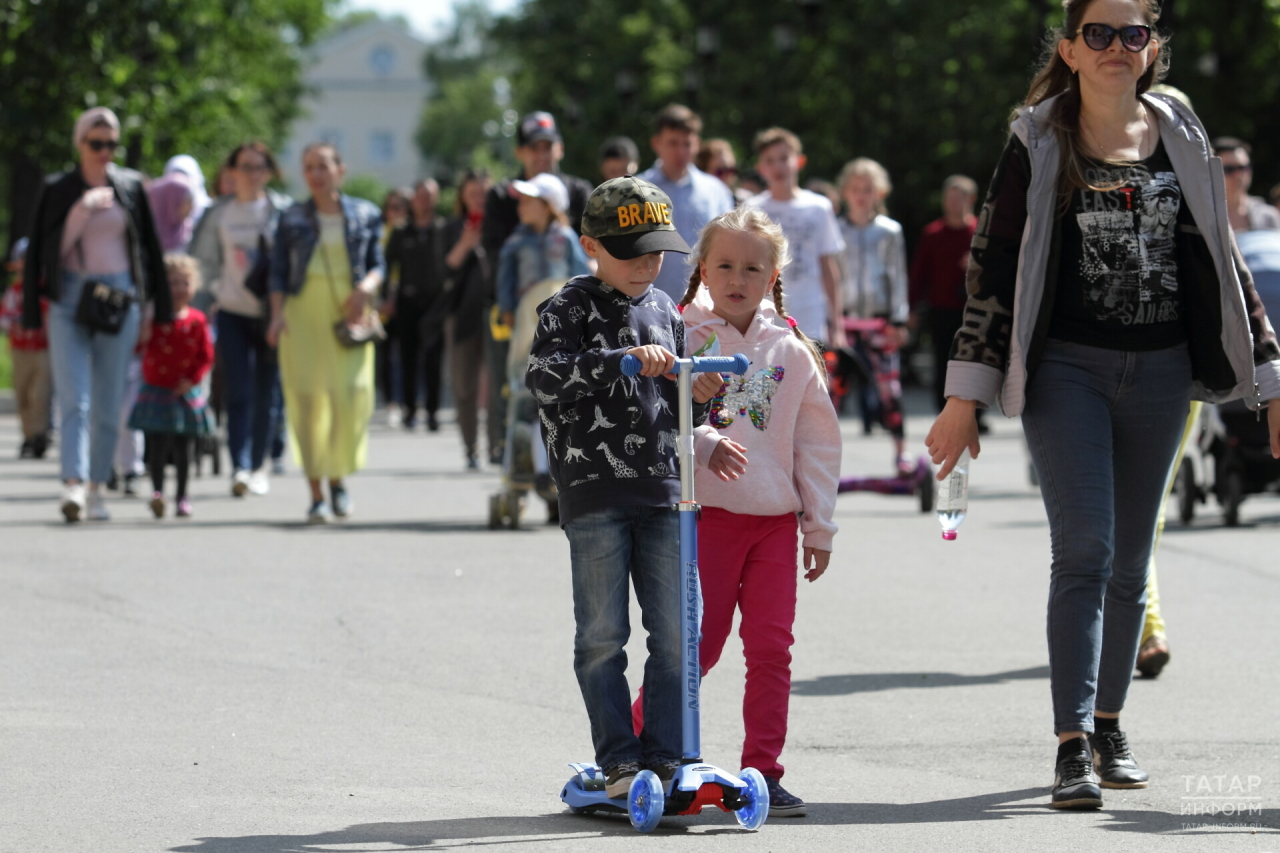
x=696 y=784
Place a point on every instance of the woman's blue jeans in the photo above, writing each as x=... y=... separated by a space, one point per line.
x=251 y=387
x=89 y=373
x=608 y=548
x=1103 y=427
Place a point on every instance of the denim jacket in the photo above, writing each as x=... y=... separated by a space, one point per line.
x=299 y=232
x=529 y=257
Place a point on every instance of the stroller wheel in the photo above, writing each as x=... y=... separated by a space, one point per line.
x=495 y=512
x=1232 y=497
x=514 y=505
x=1187 y=492
x=926 y=490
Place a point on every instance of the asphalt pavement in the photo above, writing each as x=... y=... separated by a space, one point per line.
x=241 y=683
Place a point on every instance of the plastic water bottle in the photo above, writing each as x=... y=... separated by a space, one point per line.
x=953 y=498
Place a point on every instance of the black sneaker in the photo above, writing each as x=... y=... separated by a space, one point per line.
x=27 y=451
x=1114 y=762
x=617 y=779
x=664 y=770
x=1074 y=784
x=782 y=803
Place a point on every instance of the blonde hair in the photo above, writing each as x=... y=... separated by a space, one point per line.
x=753 y=221
x=185 y=264
x=865 y=167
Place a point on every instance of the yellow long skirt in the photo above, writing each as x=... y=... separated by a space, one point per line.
x=328 y=388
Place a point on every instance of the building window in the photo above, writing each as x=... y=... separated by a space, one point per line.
x=382 y=59
x=382 y=147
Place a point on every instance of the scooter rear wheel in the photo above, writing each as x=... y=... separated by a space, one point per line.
x=755 y=810
x=645 y=801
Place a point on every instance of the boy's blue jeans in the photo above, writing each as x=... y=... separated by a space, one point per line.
x=607 y=547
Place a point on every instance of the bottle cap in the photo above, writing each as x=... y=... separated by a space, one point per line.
x=949 y=535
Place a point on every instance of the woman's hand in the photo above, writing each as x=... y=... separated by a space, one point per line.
x=469 y=240
x=99 y=198
x=275 y=329
x=358 y=302
x=728 y=461
x=954 y=430
x=815 y=563
x=1273 y=426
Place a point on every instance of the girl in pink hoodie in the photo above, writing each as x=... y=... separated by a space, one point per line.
x=768 y=466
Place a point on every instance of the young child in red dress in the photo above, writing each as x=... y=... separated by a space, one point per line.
x=172 y=408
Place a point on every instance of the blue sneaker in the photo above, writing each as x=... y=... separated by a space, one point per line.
x=781 y=803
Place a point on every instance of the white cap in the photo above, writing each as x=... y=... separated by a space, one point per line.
x=547 y=187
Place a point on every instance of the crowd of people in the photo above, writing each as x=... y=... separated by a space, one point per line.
x=1098 y=294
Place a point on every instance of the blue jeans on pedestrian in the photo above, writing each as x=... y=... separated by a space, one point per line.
x=89 y=374
x=1103 y=427
x=608 y=547
x=251 y=388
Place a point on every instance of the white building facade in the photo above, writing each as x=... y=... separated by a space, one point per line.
x=366 y=94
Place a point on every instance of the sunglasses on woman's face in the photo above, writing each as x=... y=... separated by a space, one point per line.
x=1134 y=37
x=103 y=144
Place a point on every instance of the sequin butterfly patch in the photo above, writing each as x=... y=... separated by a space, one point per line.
x=747 y=397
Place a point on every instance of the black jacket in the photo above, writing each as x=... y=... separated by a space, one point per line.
x=418 y=254
x=468 y=285
x=43 y=272
x=611 y=439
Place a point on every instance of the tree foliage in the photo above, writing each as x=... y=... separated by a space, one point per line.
x=185 y=76
x=924 y=86
x=464 y=123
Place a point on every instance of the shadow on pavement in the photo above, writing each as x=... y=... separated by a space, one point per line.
x=870 y=682
x=427 y=834
x=491 y=831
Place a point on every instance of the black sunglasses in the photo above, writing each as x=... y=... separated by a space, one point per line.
x=1134 y=37
x=103 y=144
x=1231 y=170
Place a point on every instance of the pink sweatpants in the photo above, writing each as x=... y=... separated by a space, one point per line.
x=748 y=562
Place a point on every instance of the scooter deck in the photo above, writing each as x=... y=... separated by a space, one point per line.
x=693 y=788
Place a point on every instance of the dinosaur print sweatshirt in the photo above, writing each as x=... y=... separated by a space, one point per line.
x=780 y=411
x=611 y=439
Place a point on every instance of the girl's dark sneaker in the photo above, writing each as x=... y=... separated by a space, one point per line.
x=1074 y=784
x=1114 y=761
x=617 y=779
x=782 y=803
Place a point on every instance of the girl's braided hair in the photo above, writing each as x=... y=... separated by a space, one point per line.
x=751 y=220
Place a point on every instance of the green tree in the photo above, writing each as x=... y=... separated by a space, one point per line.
x=924 y=86
x=183 y=75
x=467 y=122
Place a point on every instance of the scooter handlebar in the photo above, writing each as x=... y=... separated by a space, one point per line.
x=710 y=364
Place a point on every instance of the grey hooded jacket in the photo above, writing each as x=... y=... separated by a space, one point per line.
x=1233 y=346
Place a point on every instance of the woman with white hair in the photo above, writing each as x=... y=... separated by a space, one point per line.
x=95 y=255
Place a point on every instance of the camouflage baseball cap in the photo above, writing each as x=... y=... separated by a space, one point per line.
x=630 y=218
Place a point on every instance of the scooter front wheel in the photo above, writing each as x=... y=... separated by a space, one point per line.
x=755 y=809
x=645 y=801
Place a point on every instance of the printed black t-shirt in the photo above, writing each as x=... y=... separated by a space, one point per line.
x=1118 y=276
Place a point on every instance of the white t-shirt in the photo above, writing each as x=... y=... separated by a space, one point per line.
x=812 y=232
x=238 y=230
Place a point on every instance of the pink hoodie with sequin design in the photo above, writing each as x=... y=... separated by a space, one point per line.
x=780 y=411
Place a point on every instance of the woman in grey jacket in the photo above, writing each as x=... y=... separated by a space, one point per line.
x=227 y=243
x=1105 y=292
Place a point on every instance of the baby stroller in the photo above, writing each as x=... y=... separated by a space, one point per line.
x=524 y=463
x=1234 y=448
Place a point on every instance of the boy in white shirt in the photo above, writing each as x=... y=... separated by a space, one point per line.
x=809 y=222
